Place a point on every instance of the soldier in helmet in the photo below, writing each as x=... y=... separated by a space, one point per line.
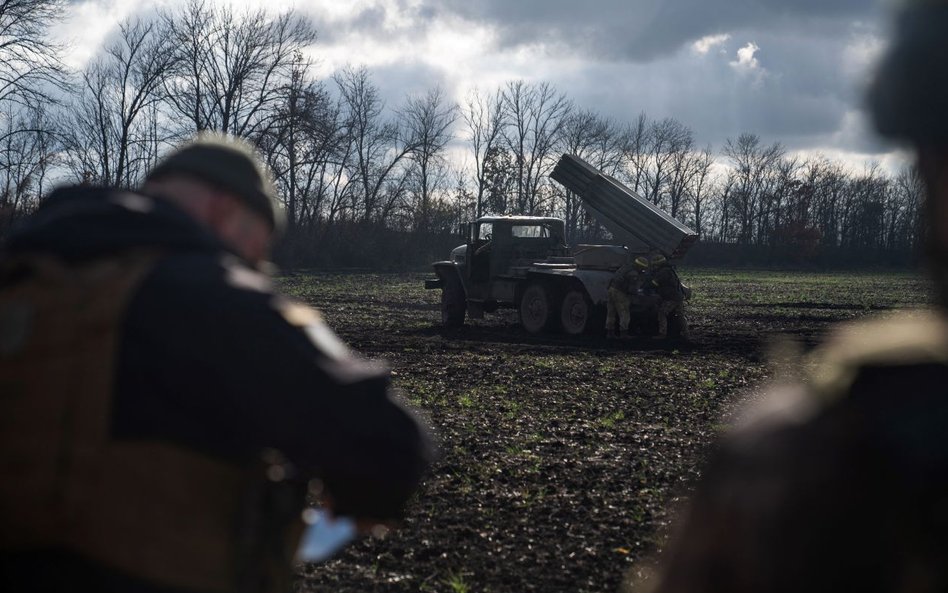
x=664 y=279
x=624 y=287
x=840 y=482
x=149 y=372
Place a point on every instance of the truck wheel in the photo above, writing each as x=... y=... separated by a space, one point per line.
x=575 y=312
x=453 y=303
x=535 y=308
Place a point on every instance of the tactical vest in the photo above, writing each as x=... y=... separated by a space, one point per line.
x=149 y=509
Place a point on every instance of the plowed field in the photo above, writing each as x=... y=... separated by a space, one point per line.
x=562 y=459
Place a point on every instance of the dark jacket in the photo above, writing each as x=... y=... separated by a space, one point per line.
x=667 y=283
x=210 y=361
x=838 y=484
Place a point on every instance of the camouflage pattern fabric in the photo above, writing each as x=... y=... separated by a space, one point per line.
x=619 y=302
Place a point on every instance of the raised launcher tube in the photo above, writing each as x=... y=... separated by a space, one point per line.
x=631 y=219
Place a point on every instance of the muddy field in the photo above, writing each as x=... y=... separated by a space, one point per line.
x=562 y=459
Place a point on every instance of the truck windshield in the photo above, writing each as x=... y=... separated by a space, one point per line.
x=532 y=231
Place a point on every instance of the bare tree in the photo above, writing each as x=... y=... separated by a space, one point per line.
x=701 y=181
x=232 y=66
x=377 y=146
x=722 y=208
x=865 y=209
x=783 y=185
x=535 y=115
x=111 y=136
x=31 y=75
x=830 y=181
x=752 y=164
x=666 y=139
x=27 y=152
x=636 y=155
x=683 y=166
x=427 y=121
x=907 y=229
x=30 y=69
x=484 y=118
x=304 y=147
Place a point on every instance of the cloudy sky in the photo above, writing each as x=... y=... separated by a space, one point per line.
x=788 y=70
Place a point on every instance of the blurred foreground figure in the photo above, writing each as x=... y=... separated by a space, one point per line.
x=840 y=483
x=148 y=375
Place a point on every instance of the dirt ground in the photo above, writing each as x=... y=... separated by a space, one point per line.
x=562 y=460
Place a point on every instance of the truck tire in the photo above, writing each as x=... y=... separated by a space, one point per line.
x=576 y=311
x=453 y=303
x=536 y=308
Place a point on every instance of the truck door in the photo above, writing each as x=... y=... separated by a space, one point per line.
x=481 y=252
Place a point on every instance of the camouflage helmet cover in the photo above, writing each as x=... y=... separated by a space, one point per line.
x=657 y=259
x=909 y=95
x=641 y=262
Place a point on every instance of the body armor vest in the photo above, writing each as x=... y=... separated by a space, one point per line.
x=150 y=509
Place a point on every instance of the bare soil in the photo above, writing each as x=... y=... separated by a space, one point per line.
x=562 y=459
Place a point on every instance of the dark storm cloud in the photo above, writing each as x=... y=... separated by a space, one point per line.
x=372 y=21
x=800 y=91
x=637 y=57
x=644 y=29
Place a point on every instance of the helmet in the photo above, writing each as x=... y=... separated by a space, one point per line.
x=908 y=96
x=657 y=259
x=641 y=262
x=230 y=163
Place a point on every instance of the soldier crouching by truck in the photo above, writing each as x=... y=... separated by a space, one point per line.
x=672 y=292
x=624 y=289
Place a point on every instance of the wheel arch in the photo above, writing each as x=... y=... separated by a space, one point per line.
x=449 y=271
x=556 y=283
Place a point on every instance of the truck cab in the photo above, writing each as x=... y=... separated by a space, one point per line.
x=499 y=246
x=497 y=256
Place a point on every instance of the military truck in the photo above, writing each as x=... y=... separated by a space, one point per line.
x=524 y=263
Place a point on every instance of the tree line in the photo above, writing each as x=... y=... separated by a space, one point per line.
x=359 y=177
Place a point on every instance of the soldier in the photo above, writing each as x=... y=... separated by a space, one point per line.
x=146 y=366
x=624 y=287
x=840 y=482
x=672 y=293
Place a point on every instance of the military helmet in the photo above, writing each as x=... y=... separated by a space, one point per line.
x=641 y=262
x=909 y=94
x=657 y=259
x=229 y=163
